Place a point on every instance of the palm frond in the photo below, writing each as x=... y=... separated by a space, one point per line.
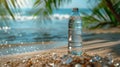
x=8 y=8
x=44 y=8
x=102 y=15
x=117 y=7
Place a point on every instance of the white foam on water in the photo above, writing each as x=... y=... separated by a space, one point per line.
x=60 y=16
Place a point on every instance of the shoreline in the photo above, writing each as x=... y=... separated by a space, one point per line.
x=102 y=43
x=89 y=48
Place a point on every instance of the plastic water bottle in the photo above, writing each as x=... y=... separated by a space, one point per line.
x=74 y=33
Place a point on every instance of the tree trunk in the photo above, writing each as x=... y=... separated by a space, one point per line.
x=110 y=6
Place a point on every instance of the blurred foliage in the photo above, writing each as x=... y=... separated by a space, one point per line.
x=44 y=8
x=5 y=8
x=5 y=11
x=41 y=8
x=102 y=14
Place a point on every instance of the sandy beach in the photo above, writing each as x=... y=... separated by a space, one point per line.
x=100 y=42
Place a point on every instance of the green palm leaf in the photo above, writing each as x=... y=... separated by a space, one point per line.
x=44 y=8
x=102 y=15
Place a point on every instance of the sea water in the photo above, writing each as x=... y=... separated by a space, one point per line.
x=25 y=30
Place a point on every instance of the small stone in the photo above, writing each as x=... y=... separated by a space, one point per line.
x=52 y=64
x=5 y=64
x=54 y=56
x=100 y=61
x=66 y=59
x=117 y=65
x=97 y=58
x=78 y=65
x=24 y=61
x=109 y=56
x=92 y=60
x=110 y=61
x=37 y=60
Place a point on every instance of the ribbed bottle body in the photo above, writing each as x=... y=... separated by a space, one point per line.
x=75 y=34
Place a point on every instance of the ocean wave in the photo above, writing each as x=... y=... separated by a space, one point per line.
x=60 y=16
x=53 y=16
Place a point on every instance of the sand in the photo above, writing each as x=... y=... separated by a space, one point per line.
x=100 y=42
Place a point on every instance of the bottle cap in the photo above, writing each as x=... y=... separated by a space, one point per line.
x=75 y=9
